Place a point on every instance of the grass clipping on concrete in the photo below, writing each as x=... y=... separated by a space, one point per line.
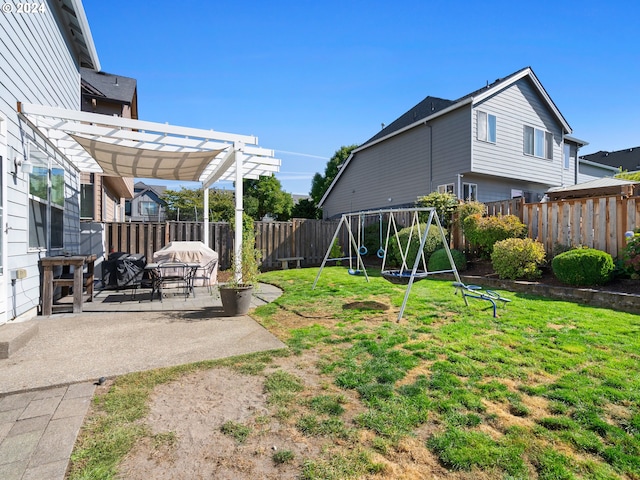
x=548 y=389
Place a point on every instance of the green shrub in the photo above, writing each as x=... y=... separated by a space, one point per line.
x=433 y=242
x=631 y=257
x=469 y=208
x=583 y=267
x=518 y=258
x=484 y=232
x=439 y=260
x=444 y=203
x=336 y=251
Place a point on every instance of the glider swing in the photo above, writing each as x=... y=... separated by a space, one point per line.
x=404 y=275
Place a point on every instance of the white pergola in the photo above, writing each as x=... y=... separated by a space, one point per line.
x=123 y=147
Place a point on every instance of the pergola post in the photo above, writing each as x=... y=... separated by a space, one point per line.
x=238 y=152
x=205 y=237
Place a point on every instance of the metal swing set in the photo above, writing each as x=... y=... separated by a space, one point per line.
x=403 y=275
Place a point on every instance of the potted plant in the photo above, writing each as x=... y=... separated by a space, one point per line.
x=236 y=295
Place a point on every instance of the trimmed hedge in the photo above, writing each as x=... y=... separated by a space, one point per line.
x=518 y=258
x=583 y=267
x=439 y=260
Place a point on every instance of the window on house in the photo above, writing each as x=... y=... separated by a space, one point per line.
x=567 y=156
x=448 y=188
x=148 y=208
x=486 y=127
x=469 y=192
x=538 y=142
x=86 y=200
x=46 y=201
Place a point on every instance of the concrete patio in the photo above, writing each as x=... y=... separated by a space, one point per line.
x=47 y=385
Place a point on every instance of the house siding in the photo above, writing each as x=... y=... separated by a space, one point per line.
x=514 y=107
x=451 y=147
x=36 y=66
x=373 y=181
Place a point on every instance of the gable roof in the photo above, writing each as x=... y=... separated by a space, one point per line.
x=143 y=187
x=628 y=159
x=108 y=86
x=433 y=107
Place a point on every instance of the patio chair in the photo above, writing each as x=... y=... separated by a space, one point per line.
x=174 y=273
x=204 y=273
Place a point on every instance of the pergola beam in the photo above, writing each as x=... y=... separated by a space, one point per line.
x=127 y=123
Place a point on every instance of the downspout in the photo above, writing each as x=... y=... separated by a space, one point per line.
x=430 y=157
x=577 y=164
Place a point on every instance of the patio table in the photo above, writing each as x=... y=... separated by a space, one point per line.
x=161 y=271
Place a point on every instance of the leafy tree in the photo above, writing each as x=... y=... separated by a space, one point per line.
x=320 y=183
x=186 y=203
x=265 y=197
x=306 y=208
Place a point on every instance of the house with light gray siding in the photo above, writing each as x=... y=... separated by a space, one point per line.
x=41 y=54
x=505 y=140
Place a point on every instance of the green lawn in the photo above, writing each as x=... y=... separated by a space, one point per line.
x=549 y=389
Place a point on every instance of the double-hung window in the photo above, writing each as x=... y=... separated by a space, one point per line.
x=538 y=143
x=486 y=127
x=46 y=201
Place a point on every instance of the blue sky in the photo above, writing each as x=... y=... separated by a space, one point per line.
x=308 y=77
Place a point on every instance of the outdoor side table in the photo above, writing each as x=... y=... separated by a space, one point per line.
x=78 y=279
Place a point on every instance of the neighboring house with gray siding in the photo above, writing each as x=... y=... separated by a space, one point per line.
x=505 y=140
x=627 y=159
x=147 y=204
x=40 y=59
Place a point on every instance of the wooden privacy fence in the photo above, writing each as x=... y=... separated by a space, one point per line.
x=599 y=222
x=297 y=238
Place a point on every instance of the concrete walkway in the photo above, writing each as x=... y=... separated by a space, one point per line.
x=46 y=387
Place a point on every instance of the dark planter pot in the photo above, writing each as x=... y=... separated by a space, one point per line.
x=236 y=301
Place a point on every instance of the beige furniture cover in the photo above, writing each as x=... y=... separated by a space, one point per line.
x=189 y=252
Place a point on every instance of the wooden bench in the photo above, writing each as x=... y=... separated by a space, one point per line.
x=285 y=261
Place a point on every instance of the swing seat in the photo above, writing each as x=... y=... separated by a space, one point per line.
x=402 y=277
x=354 y=272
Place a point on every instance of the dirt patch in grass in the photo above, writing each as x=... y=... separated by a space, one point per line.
x=194 y=409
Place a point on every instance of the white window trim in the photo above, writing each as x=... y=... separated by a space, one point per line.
x=487 y=119
x=446 y=188
x=474 y=188
x=546 y=147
